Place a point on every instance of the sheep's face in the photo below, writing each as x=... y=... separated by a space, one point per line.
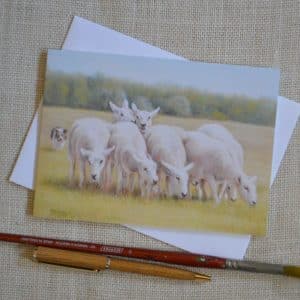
x=96 y=162
x=194 y=181
x=231 y=191
x=178 y=179
x=143 y=119
x=123 y=113
x=148 y=172
x=247 y=188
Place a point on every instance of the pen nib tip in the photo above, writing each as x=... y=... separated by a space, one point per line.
x=202 y=277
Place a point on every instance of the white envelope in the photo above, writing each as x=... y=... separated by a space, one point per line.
x=87 y=36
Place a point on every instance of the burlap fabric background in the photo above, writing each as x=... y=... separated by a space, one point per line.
x=260 y=33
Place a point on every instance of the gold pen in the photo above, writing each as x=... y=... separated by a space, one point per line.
x=98 y=262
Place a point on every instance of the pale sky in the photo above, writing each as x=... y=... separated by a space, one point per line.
x=253 y=82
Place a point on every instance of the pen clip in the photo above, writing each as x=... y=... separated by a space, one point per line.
x=108 y=262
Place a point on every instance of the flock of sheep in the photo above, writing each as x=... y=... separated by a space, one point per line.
x=167 y=159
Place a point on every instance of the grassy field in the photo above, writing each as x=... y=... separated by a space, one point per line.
x=55 y=199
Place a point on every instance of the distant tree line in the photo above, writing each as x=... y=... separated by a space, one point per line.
x=94 y=92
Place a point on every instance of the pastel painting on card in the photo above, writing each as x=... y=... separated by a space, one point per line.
x=156 y=142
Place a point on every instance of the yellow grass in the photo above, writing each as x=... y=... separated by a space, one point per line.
x=55 y=199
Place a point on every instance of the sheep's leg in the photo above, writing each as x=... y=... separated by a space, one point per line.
x=159 y=187
x=201 y=190
x=189 y=195
x=168 y=186
x=82 y=175
x=124 y=181
x=233 y=195
x=222 y=189
x=205 y=196
x=72 y=171
x=103 y=178
x=107 y=175
x=227 y=195
x=131 y=183
x=142 y=187
x=119 y=180
x=214 y=188
x=147 y=191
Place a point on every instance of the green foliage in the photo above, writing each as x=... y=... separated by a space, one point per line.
x=95 y=92
x=143 y=103
x=176 y=105
x=217 y=115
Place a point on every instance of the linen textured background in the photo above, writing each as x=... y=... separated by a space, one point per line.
x=258 y=33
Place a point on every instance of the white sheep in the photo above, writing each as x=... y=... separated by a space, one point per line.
x=131 y=157
x=222 y=134
x=235 y=149
x=166 y=148
x=88 y=142
x=143 y=119
x=123 y=113
x=213 y=163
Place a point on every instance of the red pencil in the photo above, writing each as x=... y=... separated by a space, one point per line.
x=170 y=257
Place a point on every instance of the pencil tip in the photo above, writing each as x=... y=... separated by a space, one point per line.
x=201 y=277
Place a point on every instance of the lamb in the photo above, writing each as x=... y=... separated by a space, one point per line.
x=123 y=113
x=143 y=119
x=131 y=157
x=213 y=163
x=166 y=148
x=88 y=143
x=233 y=146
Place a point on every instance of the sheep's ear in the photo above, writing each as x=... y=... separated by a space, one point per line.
x=113 y=107
x=189 y=167
x=238 y=180
x=253 y=179
x=84 y=153
x=52 y=132
x=125 y=103
x=134 y=108
x=167 y=167
x=155 y=112
x=108 y=151
x=65 y=131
